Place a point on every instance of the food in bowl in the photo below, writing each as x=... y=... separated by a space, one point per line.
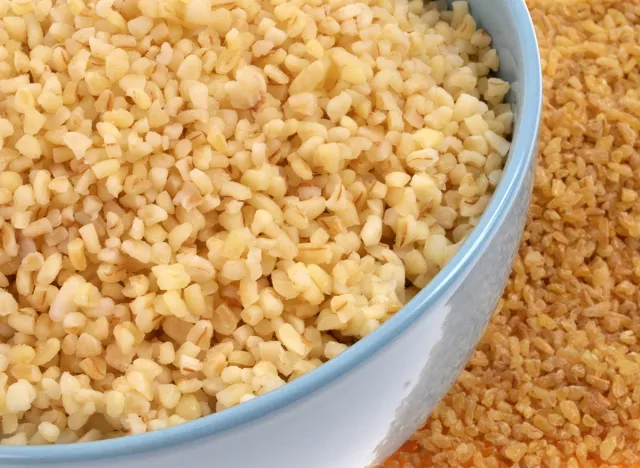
x=203 y=200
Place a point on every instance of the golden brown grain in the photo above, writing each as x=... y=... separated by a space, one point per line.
x=555 y=380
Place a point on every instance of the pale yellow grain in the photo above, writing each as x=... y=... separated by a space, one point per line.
x=179 y=205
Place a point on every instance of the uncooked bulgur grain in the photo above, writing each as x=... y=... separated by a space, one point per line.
x=202 y=201
x=555 y=381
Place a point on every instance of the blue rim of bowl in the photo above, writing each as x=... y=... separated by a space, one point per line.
x=523 y=150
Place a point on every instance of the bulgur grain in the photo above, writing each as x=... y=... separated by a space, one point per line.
x=554 y=381
x=192 y=220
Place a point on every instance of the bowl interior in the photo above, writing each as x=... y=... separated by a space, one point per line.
x=509 y=24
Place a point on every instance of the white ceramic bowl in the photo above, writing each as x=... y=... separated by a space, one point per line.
x=357 y=409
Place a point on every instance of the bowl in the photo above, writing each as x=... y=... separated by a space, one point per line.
x=357 y=409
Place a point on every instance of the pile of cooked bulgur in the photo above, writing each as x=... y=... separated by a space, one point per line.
x=555 y=381
x=203 y=200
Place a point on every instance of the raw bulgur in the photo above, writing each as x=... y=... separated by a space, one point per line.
x=204 y=200
x=555 y=381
